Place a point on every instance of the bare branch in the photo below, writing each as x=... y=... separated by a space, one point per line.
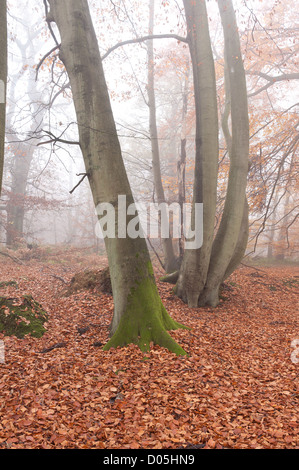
x=82 y=179
x=271 y=80
x=49 y=19
x=57 y=139
x=145 y=38
x=14 y=258
x=43 y=58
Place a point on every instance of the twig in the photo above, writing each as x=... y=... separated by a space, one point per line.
x=57 y=139
x=82 y=179
x=156 y=253
x=145 y=38
x=253 y=267
x=14 y=258
x=43 y=58
x=58 y=277
x=48 y=20
x=55 y=346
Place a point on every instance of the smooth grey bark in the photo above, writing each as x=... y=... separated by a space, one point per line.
x=194 y=268
x=3 y=81
x=241 y=244
x=139 y=315
x=170 y=262
x=272 y=233
x=227 y=236
x=244 y=229
x=181 y=165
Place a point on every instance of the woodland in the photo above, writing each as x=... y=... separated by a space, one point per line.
x=110 y=340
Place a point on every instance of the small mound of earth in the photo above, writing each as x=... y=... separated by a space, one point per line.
x=97 y=280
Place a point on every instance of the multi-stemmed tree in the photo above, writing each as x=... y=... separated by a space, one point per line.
x=139 y=315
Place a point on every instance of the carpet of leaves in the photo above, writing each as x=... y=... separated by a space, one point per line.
x=237 y=388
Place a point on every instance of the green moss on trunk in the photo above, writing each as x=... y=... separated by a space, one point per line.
x=20 y=317
x=146 y=321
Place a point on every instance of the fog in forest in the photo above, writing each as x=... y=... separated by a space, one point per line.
x=149 y=222
x=45 y=198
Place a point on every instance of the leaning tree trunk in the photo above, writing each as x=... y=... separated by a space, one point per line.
x=170 y=262
x=3 y=81
x=231 y=234
x=194 y=268
x=139 y=316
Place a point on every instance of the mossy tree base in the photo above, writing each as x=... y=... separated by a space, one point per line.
x=146 y=321
x=20 y=317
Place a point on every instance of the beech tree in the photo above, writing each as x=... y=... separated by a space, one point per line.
x=22 y=150
x=193 y=272
x=3 y=81
x=203 y=270
x=139 y=315
x=170 y=261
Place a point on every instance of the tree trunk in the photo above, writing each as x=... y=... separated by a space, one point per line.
x=194 y=268
x=3 y=81
x=23 y=151
x=139 y=316
x=15 y=204
x=227 y=237
x=170 y=262
x=241 y=244
x=244 y=230
x=181 y=165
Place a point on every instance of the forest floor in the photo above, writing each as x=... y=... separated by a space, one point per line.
x=237 y=388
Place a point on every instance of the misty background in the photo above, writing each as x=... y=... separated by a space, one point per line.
x=40 y=203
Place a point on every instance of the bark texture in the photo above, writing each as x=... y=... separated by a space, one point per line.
x=170 y=262
x=203 y=270
x=194 y=268
x=228 y=234
x=3 y=81
x=139 y=315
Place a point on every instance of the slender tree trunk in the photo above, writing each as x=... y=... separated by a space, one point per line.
x=193 y=272
x=181 y=172
x=244 y=229
x=15 y=205
x=181 y=165
x=272 y=223
x=227 y=237
x=3 y=81
x=23 y=151
x=282 y=238
x=139 y=316
x=170 y=262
